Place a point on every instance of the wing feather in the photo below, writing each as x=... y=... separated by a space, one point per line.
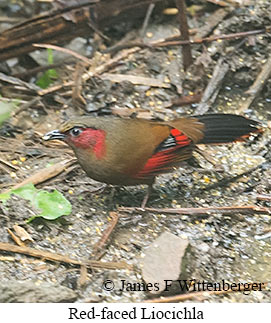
x=175 y=148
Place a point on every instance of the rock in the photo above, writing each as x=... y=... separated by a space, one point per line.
x=31 y=292
x=163 y=260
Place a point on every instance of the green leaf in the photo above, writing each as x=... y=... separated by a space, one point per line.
x=52 y=205
x=5 y=110
x=50 y=75
x=47 y=78
x=50 y=57
x=4 y=197
x=27 y=192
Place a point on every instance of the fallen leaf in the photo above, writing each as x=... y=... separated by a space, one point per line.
x=22 y=233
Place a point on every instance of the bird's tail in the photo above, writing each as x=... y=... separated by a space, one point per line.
x=225 y=128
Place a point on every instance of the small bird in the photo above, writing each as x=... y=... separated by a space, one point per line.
x=134 y=151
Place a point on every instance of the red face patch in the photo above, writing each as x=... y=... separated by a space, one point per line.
x=88 y=138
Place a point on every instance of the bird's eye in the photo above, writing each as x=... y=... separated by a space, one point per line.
x=75 y=131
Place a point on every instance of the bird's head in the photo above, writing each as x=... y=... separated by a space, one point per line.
x=81 y=134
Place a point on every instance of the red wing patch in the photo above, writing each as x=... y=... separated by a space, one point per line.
x=181 y=138
x=168 y=154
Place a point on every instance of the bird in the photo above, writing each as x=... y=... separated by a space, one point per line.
x=127 y=152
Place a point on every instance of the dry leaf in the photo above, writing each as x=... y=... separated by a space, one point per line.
x=22 y=233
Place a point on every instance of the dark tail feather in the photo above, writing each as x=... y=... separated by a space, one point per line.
x=225 y=128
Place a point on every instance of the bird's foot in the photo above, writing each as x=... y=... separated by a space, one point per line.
x=96 y=190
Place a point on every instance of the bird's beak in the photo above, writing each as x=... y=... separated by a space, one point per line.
x=52 y=135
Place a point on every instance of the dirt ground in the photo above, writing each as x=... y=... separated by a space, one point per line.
x=231 y=247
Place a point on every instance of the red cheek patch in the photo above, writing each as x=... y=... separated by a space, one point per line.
x=91 y=139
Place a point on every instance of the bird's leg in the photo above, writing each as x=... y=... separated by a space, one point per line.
x=147 y=195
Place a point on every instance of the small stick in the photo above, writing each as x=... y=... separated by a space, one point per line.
x=77 y=88
x=26 y=105
x=107 y=233
x=212 y=38
x=248 y=209
x=263 y=197
x=211 y=22
x=98 y=70
x=172 y=41
x=257 y=86
x=44 y=174
x=8 y=164
x=212 y=89
x=15 y=238
x=66 y=51
x=220 y=3
x=186 y=49
x=147 y=19
x=118 y=78
x=43 y=68
x=219 y=73
x=47 y=255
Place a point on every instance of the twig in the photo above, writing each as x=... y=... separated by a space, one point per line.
x=15 y=238
x=107 y=233
x=66 y=51
x=257 y=86
x=43 y=68
x=60 y=258
x=147 y=18
x=8 y=164
x=77 y=88
x=186 y=49
x=45 y=174
x=198 y=39
x=134 y=79
x=219 y=2
x=26 y=105
x=98 y=70
x=15 y=81
x=198 y=295
x=10 y=20
x=212 y=38
x=212 y=89
x=247 y=209
x=17 y=146
x=219 y=73
x=211 y=22
x=263 y=197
